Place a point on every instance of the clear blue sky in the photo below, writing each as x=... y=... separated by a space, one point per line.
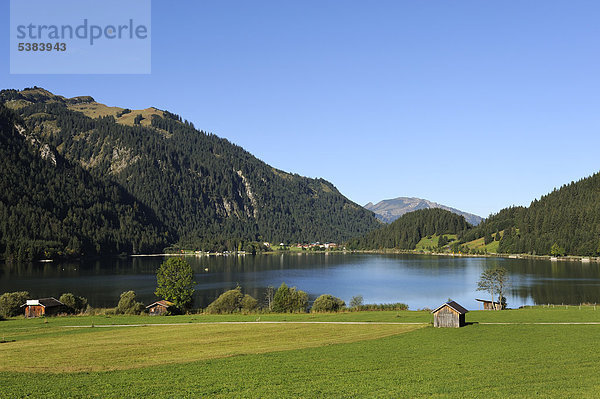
x=474 y=104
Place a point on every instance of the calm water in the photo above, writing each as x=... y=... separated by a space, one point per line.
x=420 y=281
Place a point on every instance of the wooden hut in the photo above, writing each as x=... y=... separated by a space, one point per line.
x=489 y=305
x=160 y=308
x=43 y=307
x=450 y=314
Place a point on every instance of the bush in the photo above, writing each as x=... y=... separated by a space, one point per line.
x=249 y=303
x=288 y=300
x=228 y=302
x=382 y=306
x=128 y=305
x=10 y=303
x=232 y=301
x=328 y=303
x=76 y=304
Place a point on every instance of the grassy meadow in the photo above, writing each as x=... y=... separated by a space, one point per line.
x=432 y=241
x=194 y=356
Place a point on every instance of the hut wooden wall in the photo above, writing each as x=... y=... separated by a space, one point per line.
x=34 y=311
x=447 y=317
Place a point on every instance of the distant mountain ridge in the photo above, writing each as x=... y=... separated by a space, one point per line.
x=391 y=209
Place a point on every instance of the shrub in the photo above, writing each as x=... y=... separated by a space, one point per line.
x=228 y=302
x=10 y=303
x=382 y=306
x=288 y=300
x=328 y=303
x=232 y=301
x=76 y=304
x=249 y=303
x=128 y=305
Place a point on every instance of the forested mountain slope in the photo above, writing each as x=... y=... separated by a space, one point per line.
x=49 y=206
x=208 y=192
x=406 y=231
x=567 y=219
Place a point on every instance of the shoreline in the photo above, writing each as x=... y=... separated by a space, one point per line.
x=568 y=258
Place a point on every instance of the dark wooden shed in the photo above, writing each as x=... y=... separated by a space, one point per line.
x=43 y=307
x=450 y=314
x=160 y=308
x=489 y=305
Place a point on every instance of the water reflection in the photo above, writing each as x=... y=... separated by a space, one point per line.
x=419 y=281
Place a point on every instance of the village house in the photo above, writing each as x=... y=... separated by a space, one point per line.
x=43 y=307
x=450 y=314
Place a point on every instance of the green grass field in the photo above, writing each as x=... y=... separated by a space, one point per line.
x=479 y=245
x=191 y=356
x=432 y=242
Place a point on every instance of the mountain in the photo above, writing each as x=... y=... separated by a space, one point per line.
x=391 y=209
x=406 y=231
x=206 y=192
x=50 y=206
x=565 y=221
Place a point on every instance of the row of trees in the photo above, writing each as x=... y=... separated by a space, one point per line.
x=283 y=300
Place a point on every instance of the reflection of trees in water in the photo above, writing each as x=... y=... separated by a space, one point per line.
x=557 y=292
x=555 y=282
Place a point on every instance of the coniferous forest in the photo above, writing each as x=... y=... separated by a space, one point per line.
x=409 y=229
x=146 y=185
x=565 y=221
x=50 y=206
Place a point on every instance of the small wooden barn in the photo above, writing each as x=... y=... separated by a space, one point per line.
x=43 y=307
x=489 y=305
x=450 y=314
x=160 y=308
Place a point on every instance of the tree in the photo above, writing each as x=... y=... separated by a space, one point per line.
x=442 y=241
x=288 y=300
x=356 y=301
x=10 y=303
x=76 y=304
x=327 y=303
x=269 y=297
x=128 y=304
x=488 y=239
x=498 y=237
x=175 y=283
x=494 y=281
x=557 y=250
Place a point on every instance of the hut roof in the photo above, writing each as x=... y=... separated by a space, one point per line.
x=486 y=301
x=454 y=306
x=45 y=302
x=163 y=303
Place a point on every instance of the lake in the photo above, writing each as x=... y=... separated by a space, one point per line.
x=420 y=281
